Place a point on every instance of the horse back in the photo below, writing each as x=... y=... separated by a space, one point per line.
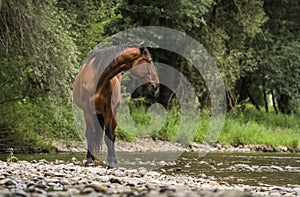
x=84 y=84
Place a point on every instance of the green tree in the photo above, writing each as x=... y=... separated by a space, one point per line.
x=38 y=53
x=89 y=21
x=230 y=37
x=282 y=48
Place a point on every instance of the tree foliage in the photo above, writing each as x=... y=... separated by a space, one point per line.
x=282 y=60
x=89 y=21
x=255 y=44
x=38 y=53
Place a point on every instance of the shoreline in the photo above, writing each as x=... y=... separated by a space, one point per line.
x=149 y=145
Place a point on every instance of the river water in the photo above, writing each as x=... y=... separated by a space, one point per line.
x=255 y=169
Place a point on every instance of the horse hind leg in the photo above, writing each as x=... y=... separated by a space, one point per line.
x=98 y=135
x=90 y=142
x=94 y=136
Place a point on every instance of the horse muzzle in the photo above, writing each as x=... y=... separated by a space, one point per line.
x=153 y=88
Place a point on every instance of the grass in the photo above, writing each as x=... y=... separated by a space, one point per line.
x=249 y=126
x=157 y=123
x=252 y=126
x=11 y=157
x=237 y=132
x=33 y=126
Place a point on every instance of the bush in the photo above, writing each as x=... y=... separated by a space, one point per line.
x=32 y=126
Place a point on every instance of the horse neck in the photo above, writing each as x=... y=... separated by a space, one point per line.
x=122 y=63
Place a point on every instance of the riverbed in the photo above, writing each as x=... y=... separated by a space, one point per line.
x=250 y=173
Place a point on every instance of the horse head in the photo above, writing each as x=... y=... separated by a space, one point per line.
x=143 y=68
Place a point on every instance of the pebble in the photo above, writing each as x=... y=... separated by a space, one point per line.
x=244 y=167
x=8 y=182
x=42 y=178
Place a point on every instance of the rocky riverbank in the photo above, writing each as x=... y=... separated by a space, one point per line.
x=149 y=145
x=43 y=178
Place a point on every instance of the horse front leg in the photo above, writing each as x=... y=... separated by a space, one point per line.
x=109 y=139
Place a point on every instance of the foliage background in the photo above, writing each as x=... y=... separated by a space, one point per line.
x=255 y=43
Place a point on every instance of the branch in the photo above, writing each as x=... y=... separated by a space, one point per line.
x=11 y=100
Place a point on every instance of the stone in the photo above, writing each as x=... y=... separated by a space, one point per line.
x=8 y=182
x=97 y=186
x=115 y=180
x=30 y=187
x=277 y=168
x=162 y=163
x=41 y=186
x=41 y=161
x=243 y=167
x=58 y=194
x=235 y=194
x=27 y=179
x=167 y=188
x=40 y=191
x=73 y=191
x=52 y=180
x=20 y=193
x=64 y=181
x=87 y=190
x=58 y=187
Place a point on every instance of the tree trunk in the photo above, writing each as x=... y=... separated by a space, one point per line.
x=274 y=103
x=283 y=104
x=265 y=99
x=252 y=100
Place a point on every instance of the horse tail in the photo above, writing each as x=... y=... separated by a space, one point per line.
x=98 y=136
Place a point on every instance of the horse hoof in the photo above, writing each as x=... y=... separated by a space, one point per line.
x=89 y=164
x=112 y=166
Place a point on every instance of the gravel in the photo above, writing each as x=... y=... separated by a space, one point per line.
x=43 y=178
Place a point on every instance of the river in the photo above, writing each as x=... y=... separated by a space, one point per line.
x=254 y=169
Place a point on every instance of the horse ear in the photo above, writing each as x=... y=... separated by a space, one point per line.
x=142 y=44
x=142 y=47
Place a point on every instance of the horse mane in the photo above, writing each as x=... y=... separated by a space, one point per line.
x=105 y=56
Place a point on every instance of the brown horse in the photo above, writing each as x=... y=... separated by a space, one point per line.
x=97 y=91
